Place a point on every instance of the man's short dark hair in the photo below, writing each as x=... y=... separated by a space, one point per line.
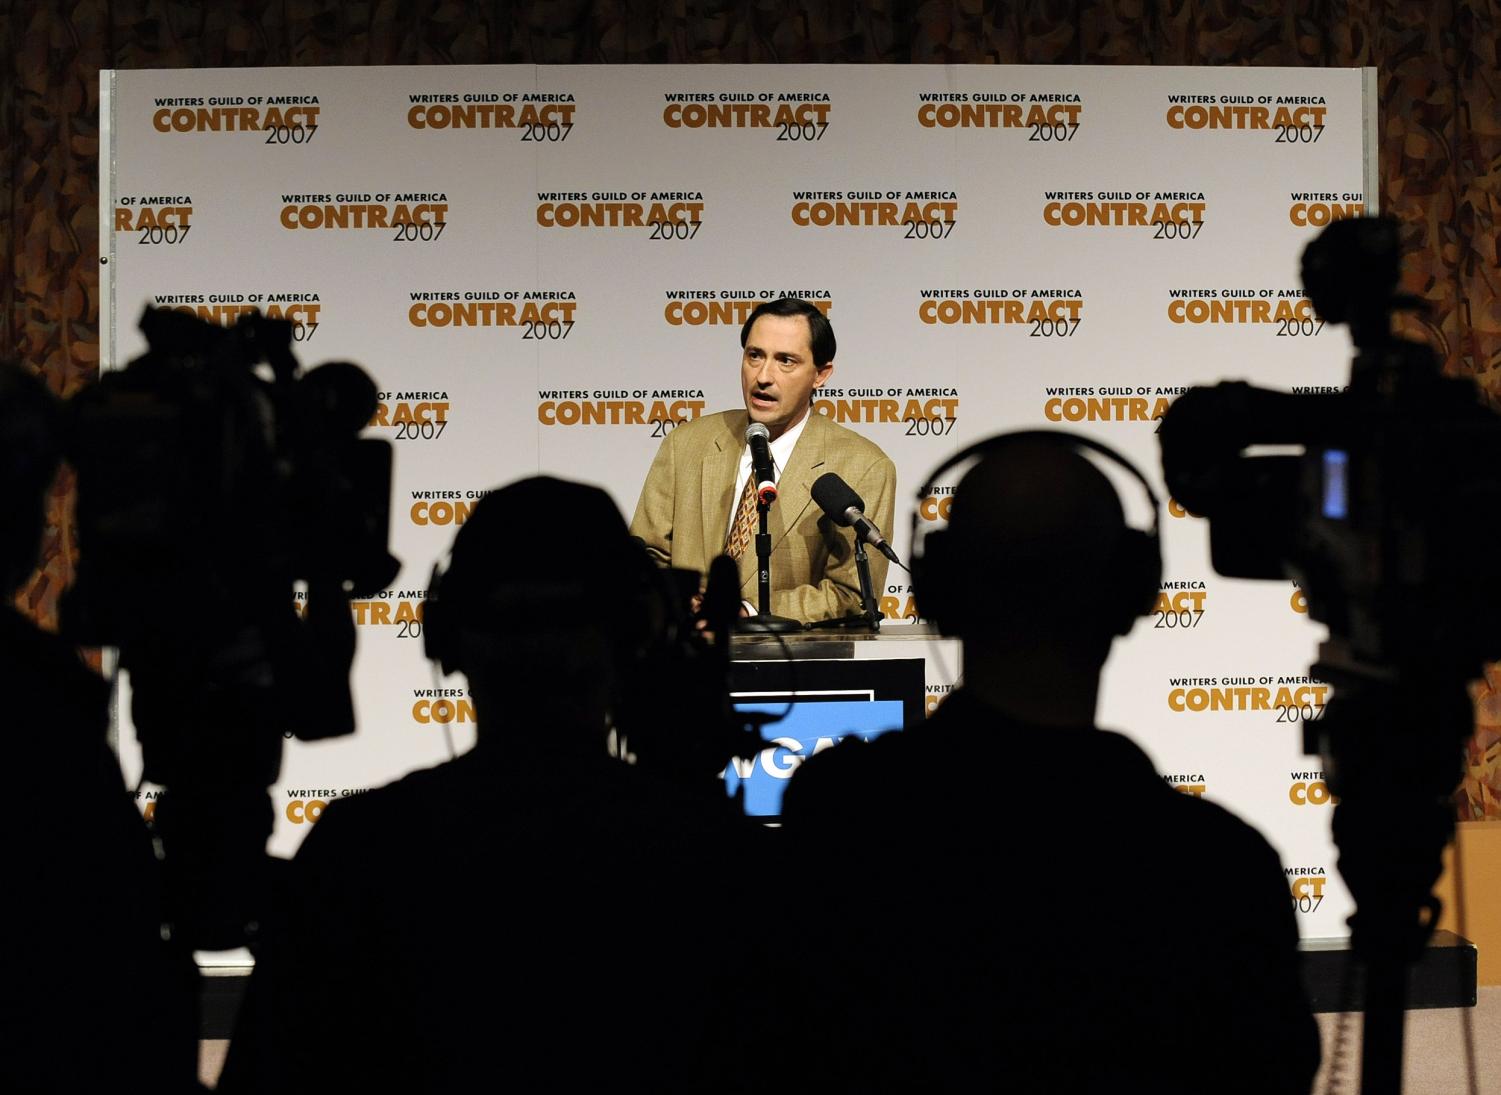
x=820 y=330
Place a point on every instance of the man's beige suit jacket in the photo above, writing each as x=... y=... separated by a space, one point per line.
x=684 y=511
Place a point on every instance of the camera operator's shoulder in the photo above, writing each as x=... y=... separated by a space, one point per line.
x=1186 y=819
x=380 y=821
x=45 y=681
x=838 y=782
x=1228 y=846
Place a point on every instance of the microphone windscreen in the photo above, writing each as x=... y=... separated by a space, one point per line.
x=336 y=397
x=835 y=497
x=721 y=603
x=757 y=429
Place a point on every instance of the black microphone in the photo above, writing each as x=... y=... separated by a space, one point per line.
x=844 y=507
x=758 y=437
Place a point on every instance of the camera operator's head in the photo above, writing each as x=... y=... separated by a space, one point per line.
x=541 y=607
x=30 y=451
x=1038 y=570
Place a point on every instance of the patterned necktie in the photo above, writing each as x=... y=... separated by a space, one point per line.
x=745 y=520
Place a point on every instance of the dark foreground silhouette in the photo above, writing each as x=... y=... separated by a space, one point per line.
x=95 y=998
x=1017 y=901
x=535 y=915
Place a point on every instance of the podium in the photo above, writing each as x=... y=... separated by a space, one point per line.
x=817 y=690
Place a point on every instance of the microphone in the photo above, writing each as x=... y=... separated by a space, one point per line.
x=758 y=437
x=846 y=508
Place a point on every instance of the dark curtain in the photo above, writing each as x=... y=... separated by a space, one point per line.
x=1440 y=119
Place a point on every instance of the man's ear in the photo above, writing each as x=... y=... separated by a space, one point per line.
x=826 y=371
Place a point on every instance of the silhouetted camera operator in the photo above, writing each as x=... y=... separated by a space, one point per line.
x=95 y=998
x=214 y=466
x=1376 y=517
x=1023 y=903
x=536 y=913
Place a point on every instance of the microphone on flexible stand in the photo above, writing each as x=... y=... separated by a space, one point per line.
x=844 y=507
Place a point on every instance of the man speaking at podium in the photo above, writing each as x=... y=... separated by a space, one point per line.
x=699 y=500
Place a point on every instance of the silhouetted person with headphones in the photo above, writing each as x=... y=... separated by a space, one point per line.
x=534 y=915
x=95 y=999
x=1017 y=900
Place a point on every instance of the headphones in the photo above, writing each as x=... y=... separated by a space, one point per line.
x=667 y=690
x=1133 y=573
x=464 y=612
x=496 y=592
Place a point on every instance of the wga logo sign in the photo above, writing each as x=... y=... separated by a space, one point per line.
x=809 y=728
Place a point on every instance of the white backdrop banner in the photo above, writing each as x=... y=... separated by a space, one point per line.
x=546 y=269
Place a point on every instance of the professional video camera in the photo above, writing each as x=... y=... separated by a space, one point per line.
x=1395 y=494
x=212 y=477
x=673 y=712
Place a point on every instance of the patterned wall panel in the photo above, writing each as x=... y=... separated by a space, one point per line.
x=1440 y=154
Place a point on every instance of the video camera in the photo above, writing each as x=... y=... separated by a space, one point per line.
x=695 y=734
x=1395 y=490
x=213 y=476
x=1381 y=518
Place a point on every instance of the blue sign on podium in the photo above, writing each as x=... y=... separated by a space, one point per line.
x=809 y=728
x=812 y=705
